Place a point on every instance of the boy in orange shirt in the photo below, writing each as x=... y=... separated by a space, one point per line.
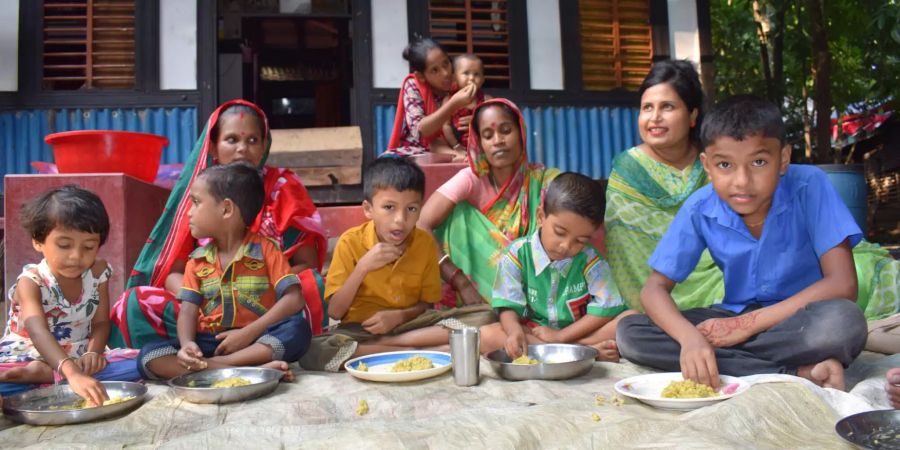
x=384 y=276
x=240 y=303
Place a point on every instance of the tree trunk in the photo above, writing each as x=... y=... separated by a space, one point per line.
x=821 y=71
x=763 y=26
x=778 y=32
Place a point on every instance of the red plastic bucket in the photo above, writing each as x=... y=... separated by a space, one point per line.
x=105 y=151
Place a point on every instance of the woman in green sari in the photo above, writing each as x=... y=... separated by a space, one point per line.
x=649 y=183
x=484 y=207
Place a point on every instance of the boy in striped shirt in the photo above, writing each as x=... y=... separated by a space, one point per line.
x=553 y=286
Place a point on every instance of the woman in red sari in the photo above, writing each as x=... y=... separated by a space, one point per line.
x=236 y=131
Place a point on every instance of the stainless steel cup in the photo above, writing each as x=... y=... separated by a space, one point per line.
x=465 y=354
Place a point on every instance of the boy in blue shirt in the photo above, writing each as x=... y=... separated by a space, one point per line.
x=783 y=239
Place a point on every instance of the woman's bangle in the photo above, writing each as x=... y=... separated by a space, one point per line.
x=443 y=258
x=89 y=353
x=457 y=146
x=63 y=361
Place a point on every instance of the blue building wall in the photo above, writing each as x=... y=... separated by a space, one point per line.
x=22 y=132
x=577 y=139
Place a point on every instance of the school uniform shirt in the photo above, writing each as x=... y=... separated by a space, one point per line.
x=412 y=278
x=240 y=293
x=554 y=293
x=806 y=219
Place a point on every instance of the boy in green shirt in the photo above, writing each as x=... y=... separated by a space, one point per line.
x=553 y=286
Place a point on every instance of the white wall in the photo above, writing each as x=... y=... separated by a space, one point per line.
x=9 y=45
x=544 y=44
x=177 y=44
x=389 y=38
x=684 y=37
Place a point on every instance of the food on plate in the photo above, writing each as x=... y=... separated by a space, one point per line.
x=525 y=359
x=362 y=367
x=230 y=382
x=83 y=404
x=414 y=363
x=687 y=389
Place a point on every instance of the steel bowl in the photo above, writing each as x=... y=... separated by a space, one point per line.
x=34 y=407
x=195 y=387
x=557 y=362
x=872 y=429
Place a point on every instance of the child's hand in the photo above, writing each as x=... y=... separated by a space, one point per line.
x=463 y=97
x=546 y=334
x=234 y=340
x=463 y=127
x=190 y=356
x=470 y=295
x=91 y=363
x=88 y=388
x=727 y=332
x=515 y=343
x=379 y=256
x=698 y=361
x=383 y=322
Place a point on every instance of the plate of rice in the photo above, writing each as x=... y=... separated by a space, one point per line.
x=399 y=366
x=671 y=391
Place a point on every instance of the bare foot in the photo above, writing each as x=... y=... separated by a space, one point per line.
x=608 y=349
x=893 y=387
x=282 y=366
x=828 y=373
x=35 y=372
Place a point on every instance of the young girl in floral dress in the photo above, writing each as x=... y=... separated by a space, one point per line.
x=59 y=308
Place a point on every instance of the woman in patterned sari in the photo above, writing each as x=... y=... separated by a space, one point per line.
x=237 y=130
x=649 y=183
x=484 y=207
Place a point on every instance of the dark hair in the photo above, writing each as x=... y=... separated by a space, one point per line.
x=66 y=207
x=239 y=182
x=476 y=119
x=683 y=77
x=417 y=53
x=391 y=172
x=469 y=56
x=578 y=194
x=235 y=110
x=740 y=116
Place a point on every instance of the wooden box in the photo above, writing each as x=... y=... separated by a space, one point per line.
x=319 y=156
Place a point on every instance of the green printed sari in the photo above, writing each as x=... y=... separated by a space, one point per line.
x=476 y=238
x=642 y=198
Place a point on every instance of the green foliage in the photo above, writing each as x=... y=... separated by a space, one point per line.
x=863 y=38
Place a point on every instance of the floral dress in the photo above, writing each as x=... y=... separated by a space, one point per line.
x=69 y=321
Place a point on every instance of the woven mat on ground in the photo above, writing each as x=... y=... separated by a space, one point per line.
x=318 y=411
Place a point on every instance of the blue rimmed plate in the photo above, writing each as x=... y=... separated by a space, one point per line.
x=380 y=365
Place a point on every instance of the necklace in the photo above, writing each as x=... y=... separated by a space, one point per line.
x=754 y=225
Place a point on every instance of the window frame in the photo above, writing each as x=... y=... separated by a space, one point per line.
x=146 y=93
x=573 y=92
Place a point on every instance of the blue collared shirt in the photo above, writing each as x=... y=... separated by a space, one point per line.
x=807 y=219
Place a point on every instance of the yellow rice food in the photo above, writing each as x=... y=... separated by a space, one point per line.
x=417 y=362
x=83 y=404
x=687 y=389
x=363 y=408
x=230 y=382
x=525 y=359
x=362 y=367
